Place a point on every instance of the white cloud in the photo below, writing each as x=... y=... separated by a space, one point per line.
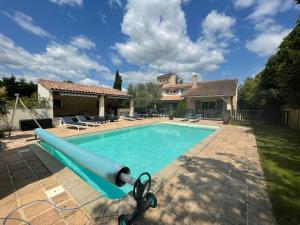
x=266 y=43
x=71 y=16
x=268 y=25
x=103 y=17
x=157 y=38
x=68 y=2
x=83 y=42
x=115 y=60
x=91 y=82
x=26 y=22
x=239 y=4
x=139 y=76
x=118 y=3
x=269 y=33
x=218 y=25
x=57 y=61
x=265 y=8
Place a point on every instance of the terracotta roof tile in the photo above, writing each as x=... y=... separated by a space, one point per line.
x=214 y=88
x=79 y=88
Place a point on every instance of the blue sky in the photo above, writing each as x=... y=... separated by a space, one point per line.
x=87 y=40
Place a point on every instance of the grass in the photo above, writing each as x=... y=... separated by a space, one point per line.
x=279 y=150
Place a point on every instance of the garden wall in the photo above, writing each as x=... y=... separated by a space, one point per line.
x=21 y=114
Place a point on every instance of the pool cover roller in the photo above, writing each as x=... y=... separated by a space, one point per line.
x=103 y=167
x=109 y=170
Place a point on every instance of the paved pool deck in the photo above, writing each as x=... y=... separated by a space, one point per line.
x=220 y=181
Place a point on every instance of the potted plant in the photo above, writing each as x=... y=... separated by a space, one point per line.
x=226 y=118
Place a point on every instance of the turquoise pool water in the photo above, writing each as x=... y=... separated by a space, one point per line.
x=142 y=148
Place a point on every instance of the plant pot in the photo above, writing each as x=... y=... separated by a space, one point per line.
x=226 y=120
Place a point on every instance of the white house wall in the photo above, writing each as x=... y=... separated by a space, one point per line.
x=22 y=114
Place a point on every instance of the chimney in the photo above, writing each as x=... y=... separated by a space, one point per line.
x=195 y=80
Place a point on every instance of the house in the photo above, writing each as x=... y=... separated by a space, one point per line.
x=201 y=96
x=69 y=99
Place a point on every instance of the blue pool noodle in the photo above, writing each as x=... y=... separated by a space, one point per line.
x=103 y=167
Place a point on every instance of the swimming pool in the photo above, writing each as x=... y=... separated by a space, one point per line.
x=147 y=148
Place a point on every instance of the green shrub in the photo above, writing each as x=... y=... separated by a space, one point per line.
x=181 y=108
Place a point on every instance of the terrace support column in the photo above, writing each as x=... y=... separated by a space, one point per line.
x=131 y=107
x=101 y=105
x=228 y=102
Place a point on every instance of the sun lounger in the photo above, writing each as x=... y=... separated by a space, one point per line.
x=81 y=119
x=127 y=117
x=195 y=118
x=186 y=118
x=112 y=117
x=137 y=116
x=99 y=119
x=69 y=122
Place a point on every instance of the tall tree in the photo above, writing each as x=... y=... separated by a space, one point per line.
x=145 y=95
x=3 y=101
x=278 y=84
x=13 y=86
x=118 y=81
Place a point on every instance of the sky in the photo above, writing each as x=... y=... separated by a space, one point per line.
x=86 y=41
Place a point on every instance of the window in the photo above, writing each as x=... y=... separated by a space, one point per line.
x=173 y=92
x=57 y=103
x=208 y=105
x=220 y=104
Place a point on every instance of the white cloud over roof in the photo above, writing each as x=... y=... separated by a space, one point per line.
x=57 y=61
x=157 y=37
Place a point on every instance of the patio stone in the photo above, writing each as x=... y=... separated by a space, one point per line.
x=220 y=181
x=29 y=188
x=47 y=218
x=8 y=207
x=69 y=203
x=37 y=194
x=49 y=181
x=34 y=209
x=60 y=197
x=78 y=218
x=16 y=215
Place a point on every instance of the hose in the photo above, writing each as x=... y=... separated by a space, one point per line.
x=45 y=201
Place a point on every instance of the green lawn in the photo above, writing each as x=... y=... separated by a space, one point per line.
x=279 y=150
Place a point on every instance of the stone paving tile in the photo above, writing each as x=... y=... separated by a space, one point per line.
x=78 y=218
x=35 y=208
x=220 y=182
x=60 y=197
x=29 y=188
x=67 y=204
x=12 y=221
x=49 y=181
x=37 y=194
x=49 y=217
x=8 y=207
